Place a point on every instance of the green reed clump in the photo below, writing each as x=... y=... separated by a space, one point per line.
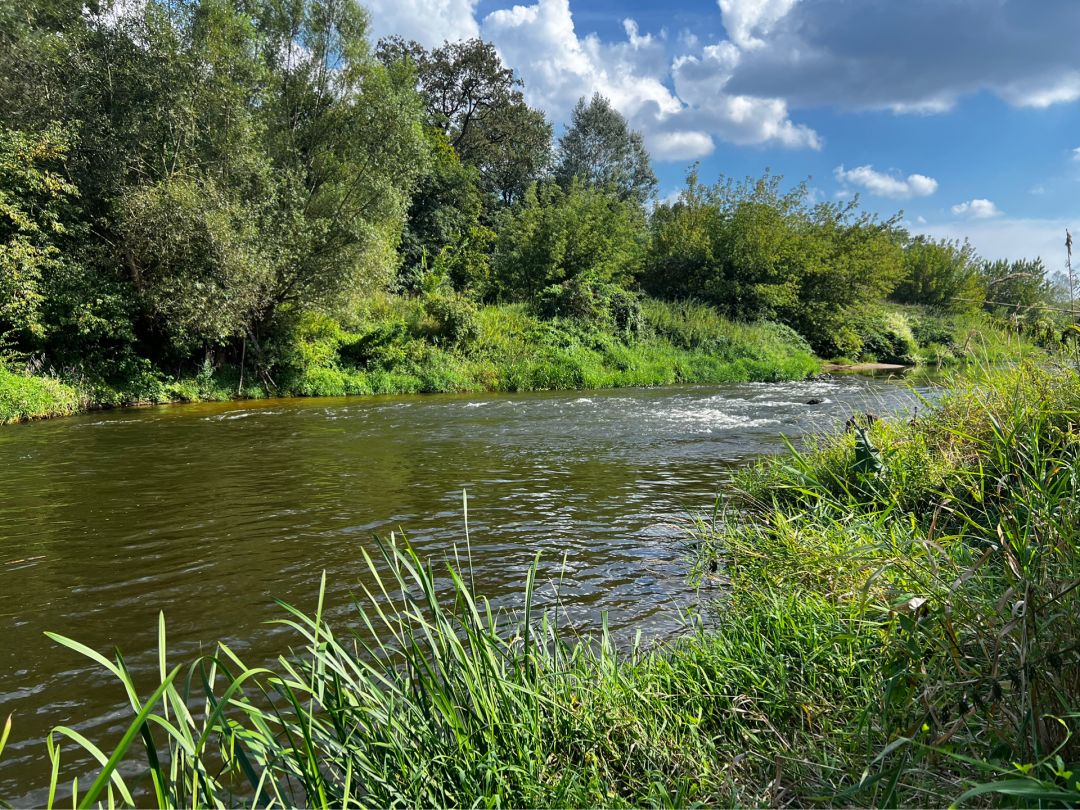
x=960 y=552
x=437 y=700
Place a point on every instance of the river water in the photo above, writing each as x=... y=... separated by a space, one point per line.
x=208 y=512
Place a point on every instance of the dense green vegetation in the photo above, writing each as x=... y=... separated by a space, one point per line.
x=195 y=194
x=892 y=618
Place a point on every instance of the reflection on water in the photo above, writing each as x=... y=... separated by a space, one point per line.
x=207 y=512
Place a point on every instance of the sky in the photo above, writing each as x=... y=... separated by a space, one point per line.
x=962 y=114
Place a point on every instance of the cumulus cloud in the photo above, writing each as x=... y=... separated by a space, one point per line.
x=429 y=22
x=683 y=145
x=977 y=209
x=559 y=66
x=747 y=20
x=918 y=56
x=886 y=185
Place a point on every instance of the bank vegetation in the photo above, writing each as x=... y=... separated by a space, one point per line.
x=214 y=199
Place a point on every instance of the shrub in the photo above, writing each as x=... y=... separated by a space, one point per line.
x=887 y=337
x=453 y=321
x=554 y=237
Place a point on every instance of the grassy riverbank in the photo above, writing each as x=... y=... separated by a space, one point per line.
x=896 y=620
x=397 y=345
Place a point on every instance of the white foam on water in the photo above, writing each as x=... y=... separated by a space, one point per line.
x=229 y=417
x=715 y=418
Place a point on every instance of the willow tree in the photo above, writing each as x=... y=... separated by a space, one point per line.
x=233 y=160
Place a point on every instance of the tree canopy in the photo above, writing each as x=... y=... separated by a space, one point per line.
x=601 y=150
x=478 y=104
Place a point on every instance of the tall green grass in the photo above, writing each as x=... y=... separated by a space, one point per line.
x=24 y=397
x=953 y=538
x=395 y=348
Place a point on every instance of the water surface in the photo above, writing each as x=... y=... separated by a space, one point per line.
x=208 y=512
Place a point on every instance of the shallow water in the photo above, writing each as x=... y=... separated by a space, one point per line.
x=208 y=512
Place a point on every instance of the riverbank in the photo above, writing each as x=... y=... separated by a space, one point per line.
x=407 y=345
x=896 y=623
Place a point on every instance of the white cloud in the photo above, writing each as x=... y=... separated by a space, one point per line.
x=977 y=209
x=701 y=83
x=1043 y=91
x=686 y=145
x=923 y=106
x=559 y=66
x=429 y=22
x=887 y=185
x=748 y=20
x=1012 y=238
x=540 y=43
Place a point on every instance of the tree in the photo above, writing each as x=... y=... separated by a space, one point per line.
x=554 y=237
x=195 y=260
x=236 y=161
x=939 y=274
x=35 y=214
x=735 y=246
x=443 y=228
x=754 y=251
x=1018 y=289
x=478 y=105
x=600 y=149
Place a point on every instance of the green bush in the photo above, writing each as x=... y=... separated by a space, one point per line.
x=887 y=338
x=555 y=237
x=452 y=319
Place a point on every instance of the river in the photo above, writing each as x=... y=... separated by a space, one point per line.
x=207 y=512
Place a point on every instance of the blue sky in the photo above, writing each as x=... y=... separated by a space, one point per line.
x=964 y=114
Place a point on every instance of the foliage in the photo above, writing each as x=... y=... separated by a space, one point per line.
x=24 y=397
x=757 y=252
x=887 y=337
x=444 y=222
x=940 y=274
x=195 y=261
x=959 y=552
x=573 y=236
x=35 y=215
x=599 y=149
x=1018 y=291
x=197 y=126
x=478 y=105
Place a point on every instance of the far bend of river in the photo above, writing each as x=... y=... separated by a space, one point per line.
x=209 y=511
